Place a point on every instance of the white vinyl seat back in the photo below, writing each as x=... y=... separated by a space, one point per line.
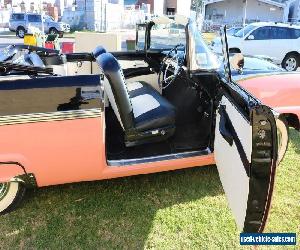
x=116 y=89
x=110 y=96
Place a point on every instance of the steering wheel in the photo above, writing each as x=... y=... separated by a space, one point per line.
x=172 y=60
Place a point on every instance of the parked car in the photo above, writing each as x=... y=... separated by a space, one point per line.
x=231 y=31
x=276 y=40
x=69 y=128
x=20 y=23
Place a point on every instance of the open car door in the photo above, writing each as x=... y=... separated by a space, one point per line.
x=245 y=151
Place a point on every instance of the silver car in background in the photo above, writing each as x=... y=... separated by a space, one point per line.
x=20 y=23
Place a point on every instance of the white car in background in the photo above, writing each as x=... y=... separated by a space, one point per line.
x=281 y=42
x=21 y=23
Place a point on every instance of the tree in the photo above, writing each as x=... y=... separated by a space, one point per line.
x=196 y=5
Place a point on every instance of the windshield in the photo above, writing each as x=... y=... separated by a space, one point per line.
x=48 y=18
x=201 y=57
x=244 y=31
x=167 y=36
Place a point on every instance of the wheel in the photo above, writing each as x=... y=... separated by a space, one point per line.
x=291 y=62
x=20 y=32
x=283 y=138
x=53 y=31
x=11 y=194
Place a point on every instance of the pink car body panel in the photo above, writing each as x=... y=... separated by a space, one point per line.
x=69 y=151
x=281 y=92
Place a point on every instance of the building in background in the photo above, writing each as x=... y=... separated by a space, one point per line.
x=166 y=7
x=294 y=12
x=95 y=15
x=246 y=11
x=60 y=5
x=158 y=7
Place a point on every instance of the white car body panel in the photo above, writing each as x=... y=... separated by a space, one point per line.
x=230 y=165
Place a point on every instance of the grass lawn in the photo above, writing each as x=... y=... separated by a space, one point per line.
x=173 y=210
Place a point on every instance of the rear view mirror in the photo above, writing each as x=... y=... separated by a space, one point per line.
x=237 y=62
x=251 y=37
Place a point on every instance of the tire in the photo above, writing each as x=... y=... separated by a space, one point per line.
x=53 y=31
x=11 y=194
x=283 y=138
x=20 y=32
x=291 y=62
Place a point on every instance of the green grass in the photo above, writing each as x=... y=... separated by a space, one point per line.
x=183 y=209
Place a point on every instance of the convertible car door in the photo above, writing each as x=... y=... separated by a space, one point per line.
x=245 y=149
x=246 y=155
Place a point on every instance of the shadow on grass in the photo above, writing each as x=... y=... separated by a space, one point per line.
x=107 y=214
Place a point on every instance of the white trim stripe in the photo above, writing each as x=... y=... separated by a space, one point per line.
x=134 y=86
x=143 y=103
x=50 y=116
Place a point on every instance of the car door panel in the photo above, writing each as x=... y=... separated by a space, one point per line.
x=260 y=45
x=230 y=163
x=245 y=150
x=246 y=155
x=256 y=47
x=34 y=21
x=58 y=123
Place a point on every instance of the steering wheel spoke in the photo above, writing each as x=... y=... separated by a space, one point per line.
x=171 y=61
x=169 y=78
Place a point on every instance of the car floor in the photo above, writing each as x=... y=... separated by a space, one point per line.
x=188 y=137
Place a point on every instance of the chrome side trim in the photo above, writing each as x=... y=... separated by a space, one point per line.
x=128 y=162
x=50 y=116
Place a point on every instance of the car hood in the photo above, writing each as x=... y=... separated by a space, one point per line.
x=58 y=24
x=62 y=23
x=253 y=66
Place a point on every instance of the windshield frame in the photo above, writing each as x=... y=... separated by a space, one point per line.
x=191 y=33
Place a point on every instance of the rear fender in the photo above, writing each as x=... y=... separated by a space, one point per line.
x=13 y=171
x=291 y=114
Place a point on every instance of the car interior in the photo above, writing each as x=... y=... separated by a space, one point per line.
x=156 y=108
x=142 y=121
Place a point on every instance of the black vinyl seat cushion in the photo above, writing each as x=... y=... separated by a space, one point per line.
x=158 y=113
x=146 y=116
